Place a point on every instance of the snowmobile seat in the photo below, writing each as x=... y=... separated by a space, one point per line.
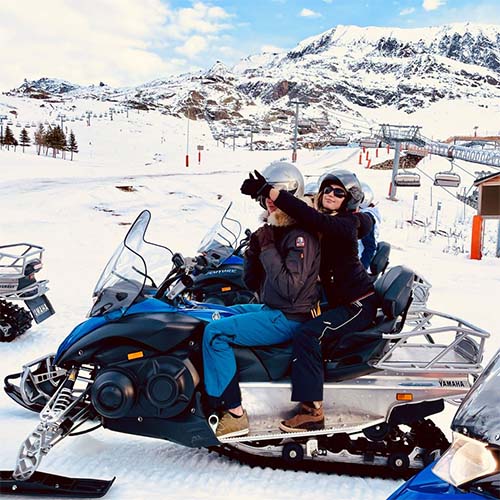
x=380 y=259
x=349 y=355
x=263 y=363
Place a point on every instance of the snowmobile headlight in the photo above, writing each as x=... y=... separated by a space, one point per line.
x=466 y=459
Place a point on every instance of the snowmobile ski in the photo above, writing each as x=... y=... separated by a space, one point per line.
x=45 y=484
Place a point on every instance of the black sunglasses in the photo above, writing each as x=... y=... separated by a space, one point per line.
x=337 y=192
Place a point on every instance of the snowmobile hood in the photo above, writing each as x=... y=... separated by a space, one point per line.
x=479 y=412
x=427 y=486
x=204 y=312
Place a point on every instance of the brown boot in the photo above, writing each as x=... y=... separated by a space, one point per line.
x=309 y=418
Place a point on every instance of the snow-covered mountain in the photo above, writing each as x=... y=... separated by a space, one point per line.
x=344 y=69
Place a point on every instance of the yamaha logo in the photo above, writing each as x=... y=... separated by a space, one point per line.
x=215 y=316
x=452 y=383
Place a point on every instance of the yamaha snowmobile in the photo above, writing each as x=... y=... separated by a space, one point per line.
x=19 y=264
x=219 y=281
x=135 y=366
x=470 y=469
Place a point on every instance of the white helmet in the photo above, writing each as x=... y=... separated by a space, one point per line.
x=368 y=195
x=286 y=176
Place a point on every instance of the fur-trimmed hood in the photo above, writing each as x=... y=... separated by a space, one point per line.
x=279 y=218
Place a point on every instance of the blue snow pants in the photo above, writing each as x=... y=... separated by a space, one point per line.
x=253 y=325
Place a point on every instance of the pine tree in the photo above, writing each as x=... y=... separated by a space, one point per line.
x=40 y=139
x=8 y=138
x=24 y=139
x=56 y=140
x=48 y=139
x=72 y=144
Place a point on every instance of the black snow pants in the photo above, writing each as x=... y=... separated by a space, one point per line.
x=307 y=364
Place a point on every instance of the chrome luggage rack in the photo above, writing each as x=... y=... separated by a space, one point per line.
x=13 y=261
x=425 y=348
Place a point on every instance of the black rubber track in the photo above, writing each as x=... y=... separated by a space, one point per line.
x=16 y=317
x=309 y=465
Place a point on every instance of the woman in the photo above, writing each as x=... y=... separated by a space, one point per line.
x=348 y=288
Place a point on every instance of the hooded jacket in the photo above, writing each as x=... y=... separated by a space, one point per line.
x=285 y=274
x=343 y=277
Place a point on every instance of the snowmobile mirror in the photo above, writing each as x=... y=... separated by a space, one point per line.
x=178 y=260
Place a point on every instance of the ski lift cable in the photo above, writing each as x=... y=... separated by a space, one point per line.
x=432 y=179
x=455 y=164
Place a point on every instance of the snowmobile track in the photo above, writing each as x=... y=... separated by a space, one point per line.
x=317 y=467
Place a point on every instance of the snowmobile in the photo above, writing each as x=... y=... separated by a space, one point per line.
x=470 y=469
x=19 y=264
x=219 y=281
x=135 y=365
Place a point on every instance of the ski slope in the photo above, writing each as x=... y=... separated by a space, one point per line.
x=77 y=211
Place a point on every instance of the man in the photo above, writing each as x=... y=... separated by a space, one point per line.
x=282 y=264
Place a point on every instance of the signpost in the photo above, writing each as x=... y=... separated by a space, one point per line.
x=2 y=118
x=200 y=149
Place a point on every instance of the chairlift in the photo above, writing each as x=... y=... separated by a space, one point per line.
x=447 y=178
x=27 y=125
x=407 y=179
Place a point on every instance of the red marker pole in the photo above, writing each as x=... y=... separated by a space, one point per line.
x=360 y=159
x=199 y=157
x=187 y=160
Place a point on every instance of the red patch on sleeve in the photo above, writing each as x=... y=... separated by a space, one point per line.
x=300 y=242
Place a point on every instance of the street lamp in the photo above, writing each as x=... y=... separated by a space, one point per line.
x=297 y=104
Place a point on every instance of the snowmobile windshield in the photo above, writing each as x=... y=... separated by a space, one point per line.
x=133 y=263
x=222 y=239
x=479 y=413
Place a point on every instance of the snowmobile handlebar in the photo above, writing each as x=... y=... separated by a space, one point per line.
x=183 y=271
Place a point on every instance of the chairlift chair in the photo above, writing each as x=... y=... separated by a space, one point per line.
x=407 y=179
x=447 y=178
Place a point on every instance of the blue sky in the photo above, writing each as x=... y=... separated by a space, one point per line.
x=128 y=42
x=283 y=23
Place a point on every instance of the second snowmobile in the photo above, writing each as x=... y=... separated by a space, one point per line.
x=135 y=366
x=19 y=264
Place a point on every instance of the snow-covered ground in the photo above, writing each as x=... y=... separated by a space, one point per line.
x=78 y=213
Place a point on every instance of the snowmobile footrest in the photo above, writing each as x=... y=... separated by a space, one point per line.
x=50 y=485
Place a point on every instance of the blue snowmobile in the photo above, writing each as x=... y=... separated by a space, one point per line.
x=470 y=469
x=135 y=366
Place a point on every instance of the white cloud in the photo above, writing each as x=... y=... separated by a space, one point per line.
x=193 y=46
x=272 y=48
x=309 y=13
x=433 y=4
x=119 y=43
x=408 y=11
x=328 y=1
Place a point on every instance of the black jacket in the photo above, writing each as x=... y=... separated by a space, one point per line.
x=285 y=274
x=343 y=277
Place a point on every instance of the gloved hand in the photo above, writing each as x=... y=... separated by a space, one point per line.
x=253 y=245
x=265 y=236
x=256 y=186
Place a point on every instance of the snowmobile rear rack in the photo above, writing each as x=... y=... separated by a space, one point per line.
x=416 y=350
x=51 y=485
x=14 y=266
